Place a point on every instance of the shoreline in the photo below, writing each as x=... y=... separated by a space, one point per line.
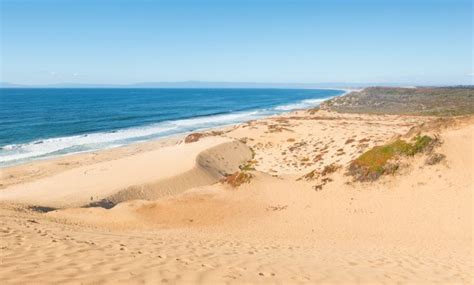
x=279 y=111
x=38 y=169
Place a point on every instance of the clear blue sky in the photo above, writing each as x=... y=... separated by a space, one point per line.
x=117 y=41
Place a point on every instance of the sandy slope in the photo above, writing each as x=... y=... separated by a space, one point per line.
x=415 y=227
x=146 y=175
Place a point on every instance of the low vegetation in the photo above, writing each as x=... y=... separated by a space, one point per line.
x=248 y=166
x=243 y=176
x=331 y=168
x=309 y=176
x=278 y=128
x=237 y=178
x=348 y=141
x=194 y=137
x=434 y=158
x=320 y=176
x=324 y=181
x=382 y=159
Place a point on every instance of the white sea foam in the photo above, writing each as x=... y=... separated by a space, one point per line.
x=92 y=141
x=301 y=105
x=10 y=154
x=15 y=153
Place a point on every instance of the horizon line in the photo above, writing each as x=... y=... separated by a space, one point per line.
x=221 y=84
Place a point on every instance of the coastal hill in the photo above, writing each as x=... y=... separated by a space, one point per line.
x=432 y=101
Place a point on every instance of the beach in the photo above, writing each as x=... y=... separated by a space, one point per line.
x=236 y=142
x=265 y=201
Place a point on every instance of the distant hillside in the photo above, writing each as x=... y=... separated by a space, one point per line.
x=436 y=101
x=10 y=85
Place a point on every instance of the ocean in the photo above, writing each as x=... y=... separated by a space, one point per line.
x=42 y=123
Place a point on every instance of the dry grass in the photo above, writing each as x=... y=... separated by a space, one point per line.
x=238 y=178
x=194 y=137
x=434 y=158
x=312 y=175
x=331 y=168
x=249 y=165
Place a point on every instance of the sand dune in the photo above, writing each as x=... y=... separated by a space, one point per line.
x=412 y=227
x=146 y=175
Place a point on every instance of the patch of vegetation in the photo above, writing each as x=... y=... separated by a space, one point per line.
x=297 y=145
x=314 y=174
x=253 y=152
x=103 y=203
x=331 y=168
x=248 y=166
x=324 y=181
x=318 y=187
x=238 y=178
x=380 y=159
x=435 y=158
x=423 y=143
x=275 y=128
x=41 y=209
x=194 y=137
x=348 y=141
x=277 y=208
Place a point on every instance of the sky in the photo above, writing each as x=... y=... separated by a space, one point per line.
x=418 y=42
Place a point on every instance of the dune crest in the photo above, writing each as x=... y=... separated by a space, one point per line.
x=147 y=176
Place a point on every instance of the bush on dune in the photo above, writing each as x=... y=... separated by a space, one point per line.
x=380 y=159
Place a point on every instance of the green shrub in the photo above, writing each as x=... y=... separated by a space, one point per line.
x=377 y=161
x=422 y=143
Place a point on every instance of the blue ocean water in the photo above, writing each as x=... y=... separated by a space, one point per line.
x=40 y=123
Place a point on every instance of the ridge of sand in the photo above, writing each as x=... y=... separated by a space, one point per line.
x=146 y=175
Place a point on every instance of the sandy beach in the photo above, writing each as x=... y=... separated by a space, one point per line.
x=164 y=211
x=236 y=142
